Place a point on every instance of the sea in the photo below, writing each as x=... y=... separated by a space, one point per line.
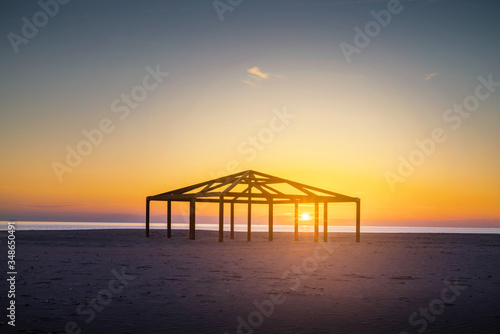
x=30 y=225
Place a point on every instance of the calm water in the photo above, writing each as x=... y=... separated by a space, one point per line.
x=242 y=227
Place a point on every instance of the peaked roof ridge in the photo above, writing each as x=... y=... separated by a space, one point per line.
x=224 y=186
x=302 y=186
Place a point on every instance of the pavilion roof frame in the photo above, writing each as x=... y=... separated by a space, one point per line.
x=259 y=188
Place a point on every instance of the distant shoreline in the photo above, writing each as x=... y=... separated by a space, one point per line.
x=303 y=228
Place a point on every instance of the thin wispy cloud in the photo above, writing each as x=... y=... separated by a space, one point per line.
x=256 y=72
x=256 y=75
x=50 y=206
x=249 y=83
x=57 y=205
x=430 y=76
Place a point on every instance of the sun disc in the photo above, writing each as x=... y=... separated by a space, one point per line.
x=305 y=216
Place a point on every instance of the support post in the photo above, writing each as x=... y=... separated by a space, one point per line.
x=271 y=214
x=221 y=219
x=249 y=223
x=316 y=221
x=358 y=225
x=325 y=222
x=169 y=219
x=192 y=215
x=232 y=220
x=147 y=217
x=296 y=221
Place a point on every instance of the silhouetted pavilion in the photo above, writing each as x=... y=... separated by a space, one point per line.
x=251 y=187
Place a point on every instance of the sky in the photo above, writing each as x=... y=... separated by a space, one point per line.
x=106 y=102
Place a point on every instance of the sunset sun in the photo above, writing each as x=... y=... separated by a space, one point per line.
x=305 y=216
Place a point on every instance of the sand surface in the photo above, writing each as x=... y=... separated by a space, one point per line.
x=118 y=281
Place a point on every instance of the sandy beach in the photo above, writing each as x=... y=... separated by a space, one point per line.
x=118 y=281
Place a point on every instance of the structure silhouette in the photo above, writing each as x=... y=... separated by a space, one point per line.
x=251 y=187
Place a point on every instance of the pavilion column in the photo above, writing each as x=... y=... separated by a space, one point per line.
x=169 y=219
x=316 y=221
x=271 y=215
x=221 y=219
x=147 y=217
x=358 y=225
x=232 y=220
x=249 y=223
x=325 y=222
x=192 y=215
x=296 y=221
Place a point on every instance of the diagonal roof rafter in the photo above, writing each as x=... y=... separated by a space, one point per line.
x=265 y=185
